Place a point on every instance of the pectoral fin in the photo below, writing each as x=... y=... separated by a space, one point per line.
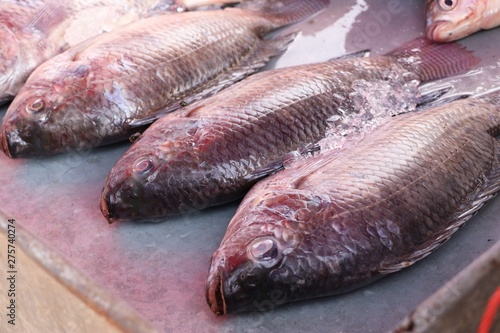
x=283 y=162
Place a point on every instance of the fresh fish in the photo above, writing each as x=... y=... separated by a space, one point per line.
x=338 y=221
x=101 y=90
x=33 y=31
x=211 y=153
x=449 y=20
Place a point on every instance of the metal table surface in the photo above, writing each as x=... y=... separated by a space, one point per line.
x=160 y=269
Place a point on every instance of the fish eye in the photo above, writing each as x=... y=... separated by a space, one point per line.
x=448 y=4
x=264 y=249
x=143 y=166
x=36 y=105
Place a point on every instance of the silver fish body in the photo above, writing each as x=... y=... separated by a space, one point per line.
x=90 y=94
x=338 y=221
x=449 y=20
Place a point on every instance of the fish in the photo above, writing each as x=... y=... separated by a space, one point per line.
x=340 y=220
x=36 y=30
x=449 y=20
x=105 y=89
x=212 y=152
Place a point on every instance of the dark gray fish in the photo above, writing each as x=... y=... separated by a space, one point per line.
x=212 y=152
x=338 y=221
x=101 y=90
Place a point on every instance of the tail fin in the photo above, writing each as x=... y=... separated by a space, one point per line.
x=283 y=12
x=432 y=61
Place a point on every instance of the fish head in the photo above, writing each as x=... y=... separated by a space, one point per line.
x=262 y=261
x=148 y=182
x=245 y=276
x=449 y=20
x=49 y=114
x=129 y=190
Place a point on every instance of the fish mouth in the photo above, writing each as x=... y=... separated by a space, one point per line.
x=114 y=209
x=108 y=209
x=105 y=210
x=20 y=139
x=432 y=32
x=5 y=145
x=13 y=145
x=214 y=293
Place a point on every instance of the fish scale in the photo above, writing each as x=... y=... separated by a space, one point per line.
x=150 y=58
x=365 y=228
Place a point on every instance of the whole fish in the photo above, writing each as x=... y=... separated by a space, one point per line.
x=338 y=221
x=449 y=20
x=33 y=31
x=103 y=89
x=211 y=153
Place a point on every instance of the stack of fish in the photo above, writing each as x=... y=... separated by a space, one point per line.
x=325 y=224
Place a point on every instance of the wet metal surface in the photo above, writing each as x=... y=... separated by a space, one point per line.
x=160 y=269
